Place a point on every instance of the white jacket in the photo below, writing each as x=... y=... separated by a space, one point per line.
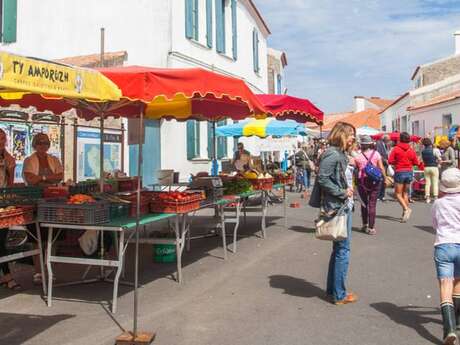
x=31 y=165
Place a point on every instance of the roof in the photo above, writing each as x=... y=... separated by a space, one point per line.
x=368 y=117
x=437 y=100
x=93 y=60
x=329 y=118
x=380 y=102
x=404 y=95
x=259 y=16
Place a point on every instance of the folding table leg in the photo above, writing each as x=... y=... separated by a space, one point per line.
x=264 y=212
x=40 y=257
x=224 y=236
x=237 y=224
x=116 y=280
x=178 y=250
x=285 y=206
x=48 y=265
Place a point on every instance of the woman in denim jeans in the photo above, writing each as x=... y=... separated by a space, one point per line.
x=403 y=158
x=335 y=192
x=446 y=220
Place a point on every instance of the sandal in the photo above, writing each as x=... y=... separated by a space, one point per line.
x=37 y=279
x=12 y=285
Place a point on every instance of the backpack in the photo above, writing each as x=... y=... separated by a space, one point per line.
x=373 y=173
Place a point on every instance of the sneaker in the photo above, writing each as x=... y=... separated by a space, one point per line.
x=406 y=215
x=371 y=231
x=364 y=228
x=428 y=200
x=450 y=339
x=350 y=298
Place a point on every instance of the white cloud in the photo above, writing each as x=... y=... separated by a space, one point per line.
x=342 y=48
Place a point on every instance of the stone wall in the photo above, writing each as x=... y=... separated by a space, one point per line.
x=440 y=70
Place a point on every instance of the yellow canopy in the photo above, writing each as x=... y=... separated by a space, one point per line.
x=23 y=75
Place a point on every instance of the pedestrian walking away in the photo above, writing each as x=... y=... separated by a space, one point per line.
x=446 y=222
x=332 y=191
x=369 y=185
x=431 y=159
x=403 y=158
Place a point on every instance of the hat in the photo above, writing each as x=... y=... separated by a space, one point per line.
x=450 y=181
x=365 y=140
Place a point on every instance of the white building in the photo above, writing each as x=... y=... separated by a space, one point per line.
x=395 y=117
x=225 y=36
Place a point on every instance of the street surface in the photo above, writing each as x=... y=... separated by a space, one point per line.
x=271 y=292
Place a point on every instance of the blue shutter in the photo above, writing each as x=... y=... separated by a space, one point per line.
x=195 y=19
x=234 y=31
x=209 y=23
x=220 y=26
x=278 y=84
x=189 y=18
x=221 y=143
x=10 y=10
x=255 y=50
x=191 y=139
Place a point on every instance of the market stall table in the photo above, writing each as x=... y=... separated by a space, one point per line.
x=117 y=226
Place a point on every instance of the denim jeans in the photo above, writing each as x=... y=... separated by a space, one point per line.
x=447 y=260
x=338 y=265
x=307 y=174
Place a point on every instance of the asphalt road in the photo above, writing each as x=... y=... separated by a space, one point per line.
x=271 y=292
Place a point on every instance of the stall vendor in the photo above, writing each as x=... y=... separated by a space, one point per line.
x=241 y=158
x=7 y=165
x=41 y=168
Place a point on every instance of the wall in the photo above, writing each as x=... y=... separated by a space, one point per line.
x=432 y=116
x=397 y=110
x=438 y=71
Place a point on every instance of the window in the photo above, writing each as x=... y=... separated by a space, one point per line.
x=8 y=20
x=220 y=26
x=446 y=123
x=404 y=124
x=221 y=142
x=416 y=128
x=418 y=81
x=193 y=139
x=191 y=19
x=278 y=84
x=255 y=50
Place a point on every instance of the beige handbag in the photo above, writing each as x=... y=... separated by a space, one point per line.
x=332 y=227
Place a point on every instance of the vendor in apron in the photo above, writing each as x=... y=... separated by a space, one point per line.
x=7 y=165
x=41 y=169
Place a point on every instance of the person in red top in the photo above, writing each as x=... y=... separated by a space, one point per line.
x=403 y=158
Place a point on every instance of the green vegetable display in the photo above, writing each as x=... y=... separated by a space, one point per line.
x=237 y=186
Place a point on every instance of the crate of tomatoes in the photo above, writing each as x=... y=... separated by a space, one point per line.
x=16 y=215
x=176 y=202
x=146 y=197
x=78 y=209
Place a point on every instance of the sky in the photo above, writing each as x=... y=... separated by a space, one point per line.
x=338 y=49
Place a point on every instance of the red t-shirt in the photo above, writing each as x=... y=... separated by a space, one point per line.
x=403 y=158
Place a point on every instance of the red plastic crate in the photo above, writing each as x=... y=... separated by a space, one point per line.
x=262 y=183
x=174 y=207
x=128 y=185
x=18 y=216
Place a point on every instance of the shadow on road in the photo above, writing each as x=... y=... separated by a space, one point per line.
x=18 y=328
x=412 y=317
x=297 y=287
x=302 y=229
x=426 y=228
x=393 y=219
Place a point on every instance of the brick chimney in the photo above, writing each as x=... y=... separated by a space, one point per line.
x=457 y=42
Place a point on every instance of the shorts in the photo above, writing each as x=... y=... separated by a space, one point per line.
x=404 y=177
x=447 y=260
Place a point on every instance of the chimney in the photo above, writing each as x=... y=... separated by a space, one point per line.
x=457 y=42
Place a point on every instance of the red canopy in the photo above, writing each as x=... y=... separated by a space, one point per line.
x=394 y=136
x=181 y=94
x=288 y=107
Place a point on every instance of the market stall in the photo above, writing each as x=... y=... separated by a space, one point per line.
x=46 y=86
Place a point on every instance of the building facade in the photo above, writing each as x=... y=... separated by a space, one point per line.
x=225 y=36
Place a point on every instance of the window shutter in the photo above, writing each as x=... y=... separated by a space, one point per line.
x=255 y=50
x=234 y=31
x=195 y=19
x=209 y=23
x=220 y=26
x=191 y=149
x=221 y=143
x=278 y=84
x=10 y=9
x=189 y=18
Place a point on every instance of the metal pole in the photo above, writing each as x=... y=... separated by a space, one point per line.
x=101 y=157
x=75 y=149
x=214 y=150
x=102 y=62
x=136 y=255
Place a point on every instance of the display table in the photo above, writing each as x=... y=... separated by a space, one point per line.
x=28 y=253
x=118 y=226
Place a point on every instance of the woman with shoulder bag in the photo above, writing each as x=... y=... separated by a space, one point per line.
x=335 y=193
